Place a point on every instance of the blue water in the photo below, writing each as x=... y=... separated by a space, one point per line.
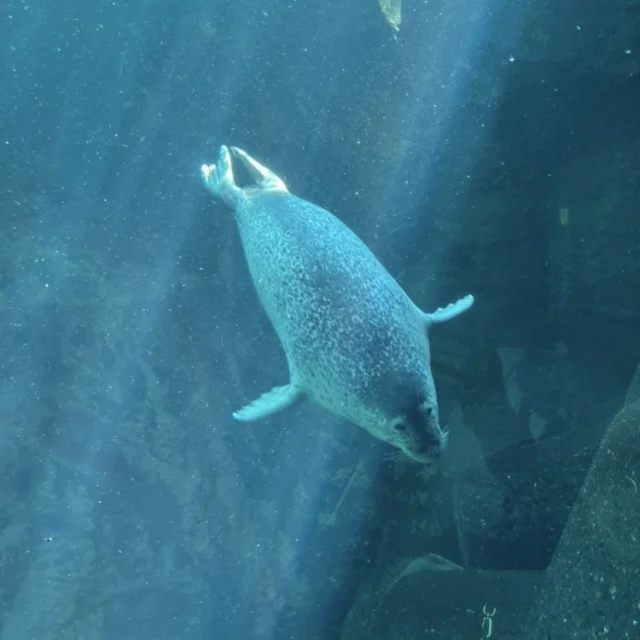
x=132 y=505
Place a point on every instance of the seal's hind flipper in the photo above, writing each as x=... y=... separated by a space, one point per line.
x=278 y=399
x=449 y=312
x=218 y=178
x=264 y=178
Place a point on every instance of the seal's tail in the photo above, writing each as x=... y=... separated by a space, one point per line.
x=218 y=178
x=265 y=178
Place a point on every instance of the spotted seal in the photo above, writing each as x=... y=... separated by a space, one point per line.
x=354 y=341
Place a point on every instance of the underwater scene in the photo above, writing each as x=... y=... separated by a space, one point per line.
x=320 y=320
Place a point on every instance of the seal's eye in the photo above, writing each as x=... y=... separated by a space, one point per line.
x=426 y=408
x=399 y=425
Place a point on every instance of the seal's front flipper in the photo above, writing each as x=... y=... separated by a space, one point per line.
x=218 y=178
x=278 y=399
x=264 y=178
x=450 y=311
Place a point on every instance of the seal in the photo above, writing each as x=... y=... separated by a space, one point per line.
x=354 y=341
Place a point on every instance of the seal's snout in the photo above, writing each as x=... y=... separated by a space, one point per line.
x=432 y=438
x=417 y=432
x=433 y=443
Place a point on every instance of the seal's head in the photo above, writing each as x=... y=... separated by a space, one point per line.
x=417 y=433
x=411 y=421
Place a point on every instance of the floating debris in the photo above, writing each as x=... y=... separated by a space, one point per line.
x=392 y=11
